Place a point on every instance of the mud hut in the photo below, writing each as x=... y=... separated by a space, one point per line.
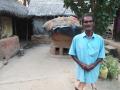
x=14 y=20
x=62 y=30
x=14 y=27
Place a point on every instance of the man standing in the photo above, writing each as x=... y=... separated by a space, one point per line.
x=87 y=50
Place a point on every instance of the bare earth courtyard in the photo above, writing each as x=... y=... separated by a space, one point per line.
x=39 y=70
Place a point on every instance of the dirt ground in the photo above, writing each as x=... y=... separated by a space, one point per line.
x=39 y=70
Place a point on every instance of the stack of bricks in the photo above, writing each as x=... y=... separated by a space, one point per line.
x=112 y=50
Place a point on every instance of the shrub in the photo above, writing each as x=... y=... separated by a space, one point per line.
x=112 y=65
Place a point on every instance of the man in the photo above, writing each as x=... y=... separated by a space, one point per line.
x=87 y=50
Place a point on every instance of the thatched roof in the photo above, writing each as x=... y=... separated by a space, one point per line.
x=65 y=25
x=48 y=8
x=61 y=22
x=13 y=8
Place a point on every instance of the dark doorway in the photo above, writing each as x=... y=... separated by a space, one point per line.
x=22 y=28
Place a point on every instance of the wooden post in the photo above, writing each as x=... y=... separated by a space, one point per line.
x=0 y=32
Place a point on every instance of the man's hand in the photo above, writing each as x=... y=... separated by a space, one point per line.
x=84 y=66
x=87 y=67
x=91 y=66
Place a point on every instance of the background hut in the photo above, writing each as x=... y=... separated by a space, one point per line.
x=14 y=20
x=44 y=10
x=62 y=30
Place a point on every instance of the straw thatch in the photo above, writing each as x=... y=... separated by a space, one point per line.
x=48 y=8
x=69 y=26
x=61 y=22
x=13 y=8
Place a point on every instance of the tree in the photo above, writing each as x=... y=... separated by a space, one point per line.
x=104 y=11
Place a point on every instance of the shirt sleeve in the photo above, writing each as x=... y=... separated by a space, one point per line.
x=72 y=50
x=102 y=50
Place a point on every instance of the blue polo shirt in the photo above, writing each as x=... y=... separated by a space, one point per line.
x=87 y=50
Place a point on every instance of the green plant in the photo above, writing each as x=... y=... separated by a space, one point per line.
x=113 y=67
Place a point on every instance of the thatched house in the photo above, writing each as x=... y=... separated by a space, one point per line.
x=62 y=30
x=44 y=10
x=14 y=20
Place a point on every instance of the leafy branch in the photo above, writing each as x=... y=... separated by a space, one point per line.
x=104 y=11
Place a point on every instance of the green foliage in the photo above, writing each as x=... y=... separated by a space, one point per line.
x=113 y=66
x=104 y=11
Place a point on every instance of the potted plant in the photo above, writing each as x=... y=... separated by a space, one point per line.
x=113 y=67
x=112 y=64
x=103 y=71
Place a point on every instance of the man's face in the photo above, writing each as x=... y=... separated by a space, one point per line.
x=88 y=23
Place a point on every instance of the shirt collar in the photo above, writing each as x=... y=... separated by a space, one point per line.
x=84 y=35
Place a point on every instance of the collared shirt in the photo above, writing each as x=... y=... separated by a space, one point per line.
x=87 y=50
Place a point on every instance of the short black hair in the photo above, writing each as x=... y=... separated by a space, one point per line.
x=87 y=14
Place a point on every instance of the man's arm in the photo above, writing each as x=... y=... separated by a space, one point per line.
x=92 y=66
x=82 y=65
x=99 y=60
